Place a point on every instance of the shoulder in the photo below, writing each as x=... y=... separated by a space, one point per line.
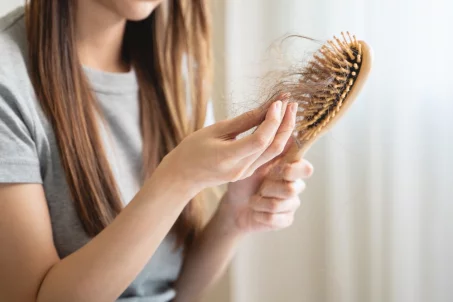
x=13 y=43
x=13 y=48
x=15 y=84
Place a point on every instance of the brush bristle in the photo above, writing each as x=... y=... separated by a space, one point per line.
x=322 y=85
x=337 y=64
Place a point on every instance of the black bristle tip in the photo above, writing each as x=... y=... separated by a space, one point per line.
x=349 y=75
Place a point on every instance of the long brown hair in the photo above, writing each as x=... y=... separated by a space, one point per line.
x=157 y=48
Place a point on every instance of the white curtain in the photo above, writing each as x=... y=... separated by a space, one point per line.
x=376 y=222
x=8 y=5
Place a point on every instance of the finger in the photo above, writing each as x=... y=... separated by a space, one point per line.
x=274 y=205
x=251 y=159
x=231 y=128
x=262 y=137
x=274 y=221
x=296 y=170
x=281 y=138
x=281 y=188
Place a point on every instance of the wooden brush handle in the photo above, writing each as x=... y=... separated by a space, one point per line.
x=295 y=153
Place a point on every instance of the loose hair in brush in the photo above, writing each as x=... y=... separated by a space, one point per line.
x=324 y=87
x=155 y=48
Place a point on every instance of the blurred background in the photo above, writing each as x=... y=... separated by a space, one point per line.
x=376 y=221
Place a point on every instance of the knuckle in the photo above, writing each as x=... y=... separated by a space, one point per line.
x=273 y=205
x=279 y=147
x=261 y=172
x=288 y=170
x=269 y=218
x=260 y=141
x=290 y=189
x=275 y=121
x=288 y=129
x=255 y=202
x=275 y=149
x=263 y=191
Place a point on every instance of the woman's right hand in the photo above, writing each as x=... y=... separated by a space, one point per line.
x=213 y=155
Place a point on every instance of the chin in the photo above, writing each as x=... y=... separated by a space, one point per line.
x=133 y=10
x=140 y=9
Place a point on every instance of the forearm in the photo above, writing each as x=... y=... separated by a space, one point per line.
x=208 y=257
x=103 y=268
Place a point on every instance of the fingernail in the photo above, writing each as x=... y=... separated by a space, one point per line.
x=284 y=107
x=278 y=107
x=308 y=169
x=294 y=107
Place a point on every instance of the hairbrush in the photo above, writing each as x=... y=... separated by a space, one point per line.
x=324 y=88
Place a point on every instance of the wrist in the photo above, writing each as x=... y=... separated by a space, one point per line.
x=166 y=180
x=226 y=215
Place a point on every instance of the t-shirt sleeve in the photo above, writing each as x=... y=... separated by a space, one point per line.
x=19 y=162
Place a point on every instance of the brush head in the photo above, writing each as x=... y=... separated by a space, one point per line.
x=325 y=87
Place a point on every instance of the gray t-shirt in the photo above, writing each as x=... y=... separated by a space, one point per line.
x=29 y=154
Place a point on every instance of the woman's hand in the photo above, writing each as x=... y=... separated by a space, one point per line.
x=213 y=156
x=268 y=199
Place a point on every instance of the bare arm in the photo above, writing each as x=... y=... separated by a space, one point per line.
x=99 y=271
x=257 y=203
x=208 y=258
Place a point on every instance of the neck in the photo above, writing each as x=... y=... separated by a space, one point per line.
x=99 y=35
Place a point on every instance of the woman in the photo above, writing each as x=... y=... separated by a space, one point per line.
x=103 y=153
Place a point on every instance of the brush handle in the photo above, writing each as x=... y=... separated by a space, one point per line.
x=296 y=152
x=293 y=154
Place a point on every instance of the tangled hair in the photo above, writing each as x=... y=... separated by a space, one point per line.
x=320 y=85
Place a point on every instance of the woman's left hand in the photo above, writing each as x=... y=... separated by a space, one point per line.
x=268 y=199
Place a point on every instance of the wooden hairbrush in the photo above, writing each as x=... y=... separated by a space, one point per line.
x=325 y=88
